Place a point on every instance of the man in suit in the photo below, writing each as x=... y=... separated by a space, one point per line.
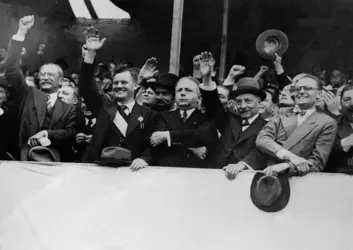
x=41 y=113
x=237 y=143
x=183 y=128
x=121 y=123
x=302 y=140
x=341 y=159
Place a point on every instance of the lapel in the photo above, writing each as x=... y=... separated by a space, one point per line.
x=301 y=131
x=196 y=117
x=134 y=118
x=344 y=128
x=40 y=103
x=254 y=128
x=174 y=119
x=59 y=110
x=289 y=122
x=235 y=126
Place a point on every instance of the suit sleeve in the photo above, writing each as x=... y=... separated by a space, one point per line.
x=283 y=80
x=88 y=89
x=148 y=152
x=214 y=108
x=265 y=141
x=323 y=147
x=255 y=159
x=13 y=72
x=205 y=134
x=67 y=134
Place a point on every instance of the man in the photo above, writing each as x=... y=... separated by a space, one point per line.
x=341 y=159
x=42 y=114
x=184 y=128
x=74 y=76
x=302 y=140
x=238 y=131
x=120 y=123
x=68 y=95
x=268 y=107
x=223 y=94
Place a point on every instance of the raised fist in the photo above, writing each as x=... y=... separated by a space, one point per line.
x=236 y=71
x=26 y=23
x=92 y=39
x=264 y=69
x=148 y=70
x=41 y=47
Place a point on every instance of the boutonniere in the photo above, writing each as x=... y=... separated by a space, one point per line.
x=140 y=119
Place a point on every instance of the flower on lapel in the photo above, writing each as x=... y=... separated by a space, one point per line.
x=140 y=119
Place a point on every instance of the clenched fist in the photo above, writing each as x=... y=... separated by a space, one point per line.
x=236 y=71
x=25 y=24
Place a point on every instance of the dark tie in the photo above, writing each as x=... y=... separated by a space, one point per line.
x=89 y=125
x=299 y=112
x=245 y=123
x=123 y=109
x=185 y=116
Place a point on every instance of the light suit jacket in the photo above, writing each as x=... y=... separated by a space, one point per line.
x=312 y=140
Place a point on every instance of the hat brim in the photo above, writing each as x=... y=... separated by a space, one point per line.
x=248 y=90
x=280 y=203
x=112 y=162
x=283 y=43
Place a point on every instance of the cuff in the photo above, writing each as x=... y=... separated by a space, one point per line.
x=227 y=82
x=281 y=154
x=246 y=165
x=279 y=69
x=169 y=141
x=19 y=38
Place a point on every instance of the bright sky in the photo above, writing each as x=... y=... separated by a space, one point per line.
x=105 y=9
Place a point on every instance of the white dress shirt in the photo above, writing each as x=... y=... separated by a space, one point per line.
x=251 y=120
x=302 y=118
x=52 y=99
x=129 y=106
x=93 y=121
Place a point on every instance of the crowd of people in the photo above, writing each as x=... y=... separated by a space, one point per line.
x=120 y=115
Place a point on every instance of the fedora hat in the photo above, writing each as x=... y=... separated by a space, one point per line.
x=115 y=157
x=164 y=80
x=270 y=42
x=43 y=154
x=247 y=85
x=270 y=193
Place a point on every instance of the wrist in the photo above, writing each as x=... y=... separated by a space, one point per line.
x=90 y=56
x=21 y=32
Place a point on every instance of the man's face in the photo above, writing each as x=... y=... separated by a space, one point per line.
x=223 y=96
x=75 y=77
x=85 y=110
x=124 y=86
x=164 y=97
x=247 y=105
x=3 y=95
x=2 y=54
x=112 y=67
x=336 y=78
x=148 y=96
x=187 y=94
x=306 y=93
x=67 y=95
x=347 y=104
x=266 y=107
x=106 y=83
x=49 y=78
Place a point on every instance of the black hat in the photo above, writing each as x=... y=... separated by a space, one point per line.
x=115 y=157
x=270 y=193
x=43 y=154
x=166 y=80
x=247 y=85
x=270 y=42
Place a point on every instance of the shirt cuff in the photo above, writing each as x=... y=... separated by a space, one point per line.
x=18 y=38
x=246 y=165
x=281 y=153
x=169 y=141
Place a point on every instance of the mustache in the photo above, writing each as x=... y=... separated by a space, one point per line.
x=161 y=101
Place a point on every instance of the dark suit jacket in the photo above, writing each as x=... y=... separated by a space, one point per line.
x=137 y=136
x=197 y=132
x=32 y=105
x=312 y=140
x=8 y=133
x=235 y=145
x=339 y=159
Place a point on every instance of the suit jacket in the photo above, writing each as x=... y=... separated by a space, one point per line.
x=312 y=140
x=137 y=135
x=339 y=159
x=32 y=106
x=197 y=132
x=234 y=145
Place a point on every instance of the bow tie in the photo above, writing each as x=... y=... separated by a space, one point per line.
x=245 y=123
x=299 y=112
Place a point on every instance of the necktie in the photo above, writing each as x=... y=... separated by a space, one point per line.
x=48 y=103
x=89 y=125
x=124 y=111
x=185 y=116
x=245 y=123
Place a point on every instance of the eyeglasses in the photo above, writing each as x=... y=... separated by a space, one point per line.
x=305 y=88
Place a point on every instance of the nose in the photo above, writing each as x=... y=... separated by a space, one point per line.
x=301 y=90
x=243 y=105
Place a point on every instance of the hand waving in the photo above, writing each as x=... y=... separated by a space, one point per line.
x=148 y=70
x=93 y=43
x=205 y=66
x=25 y=24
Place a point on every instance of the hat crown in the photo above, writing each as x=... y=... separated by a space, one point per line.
x=168 y=79
x=116 y=153
x=268 y=189
x=247 y=82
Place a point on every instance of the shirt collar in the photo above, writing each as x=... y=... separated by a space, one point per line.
x=129 y=105
x=253 y=118
x=188 y=112
x=53 y=97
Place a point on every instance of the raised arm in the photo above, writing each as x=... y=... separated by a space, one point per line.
x=13 y=72
x=88 y=90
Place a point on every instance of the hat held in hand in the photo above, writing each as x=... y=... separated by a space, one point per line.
x=115 y=157
x=43 y=154
x=270 y=42
x=247 y=85
x=270 y=193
